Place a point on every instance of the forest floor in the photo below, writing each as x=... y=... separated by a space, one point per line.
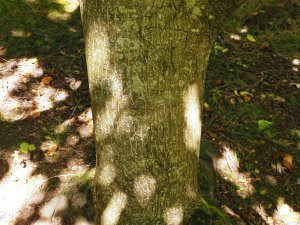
x=251 y=115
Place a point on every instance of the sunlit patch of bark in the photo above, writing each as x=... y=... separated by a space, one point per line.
x=192 y=130
x=113 y=106
x=173 y=215
x=144 y=189
x=113 y=210
x=107 y=175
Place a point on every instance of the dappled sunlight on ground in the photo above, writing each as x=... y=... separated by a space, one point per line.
x=228 y=168
x=69 y=6
x=19 y=190
x=14 y=74
x=296 y=64
x=84 y=121
x=235 y=37
x=18 y=98
x=283 y=215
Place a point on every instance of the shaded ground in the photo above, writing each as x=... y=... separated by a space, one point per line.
x=252 y=114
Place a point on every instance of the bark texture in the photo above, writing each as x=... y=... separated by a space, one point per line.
x=146 y=64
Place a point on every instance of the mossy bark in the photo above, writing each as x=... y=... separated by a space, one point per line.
x=146 y=64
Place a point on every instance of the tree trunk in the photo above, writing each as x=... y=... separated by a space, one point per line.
x=146 y=65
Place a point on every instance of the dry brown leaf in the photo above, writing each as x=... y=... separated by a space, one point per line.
x=229 y=211
x=288 y=162
x=52 y=149
x=46 y=81
x=36 y=114
x=218 y=82
x=265 y=45
x=246 y=98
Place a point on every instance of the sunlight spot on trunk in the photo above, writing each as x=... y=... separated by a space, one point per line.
x=106 y=155
x=107 y=175
x=173 y=216
x=97 y=40
x=190 y=191
x=142 y=132
x=112 y=212
x=113 y=107
x=144 y=189
x=124 y=123
x=228 y=167
x=192 y=119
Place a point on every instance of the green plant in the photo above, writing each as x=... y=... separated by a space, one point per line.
x=264 y=127
x=25 y=147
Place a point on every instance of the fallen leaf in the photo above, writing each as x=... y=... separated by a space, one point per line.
x=251 y=38
x=218 y=82
x=46 y=81
x=246 y=98
x=236 y=93
x=296 y=62
x=225 y=50
x=265 y=45
x=288 y=162
x=206 y=105
x=243 y=93
x=232 y=101
x=74 y=85
x=295 y=84
x=278 y=168
x=229 y=211
x=52 y=149
x=36 y=114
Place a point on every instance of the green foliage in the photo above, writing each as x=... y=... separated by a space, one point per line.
x=207 y=214
x=25 y=147
x=263 y=125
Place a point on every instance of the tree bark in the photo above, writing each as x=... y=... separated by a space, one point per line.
x=146 y=65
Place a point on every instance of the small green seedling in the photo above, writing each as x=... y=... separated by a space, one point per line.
x=25 y=147
x=264 y=127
